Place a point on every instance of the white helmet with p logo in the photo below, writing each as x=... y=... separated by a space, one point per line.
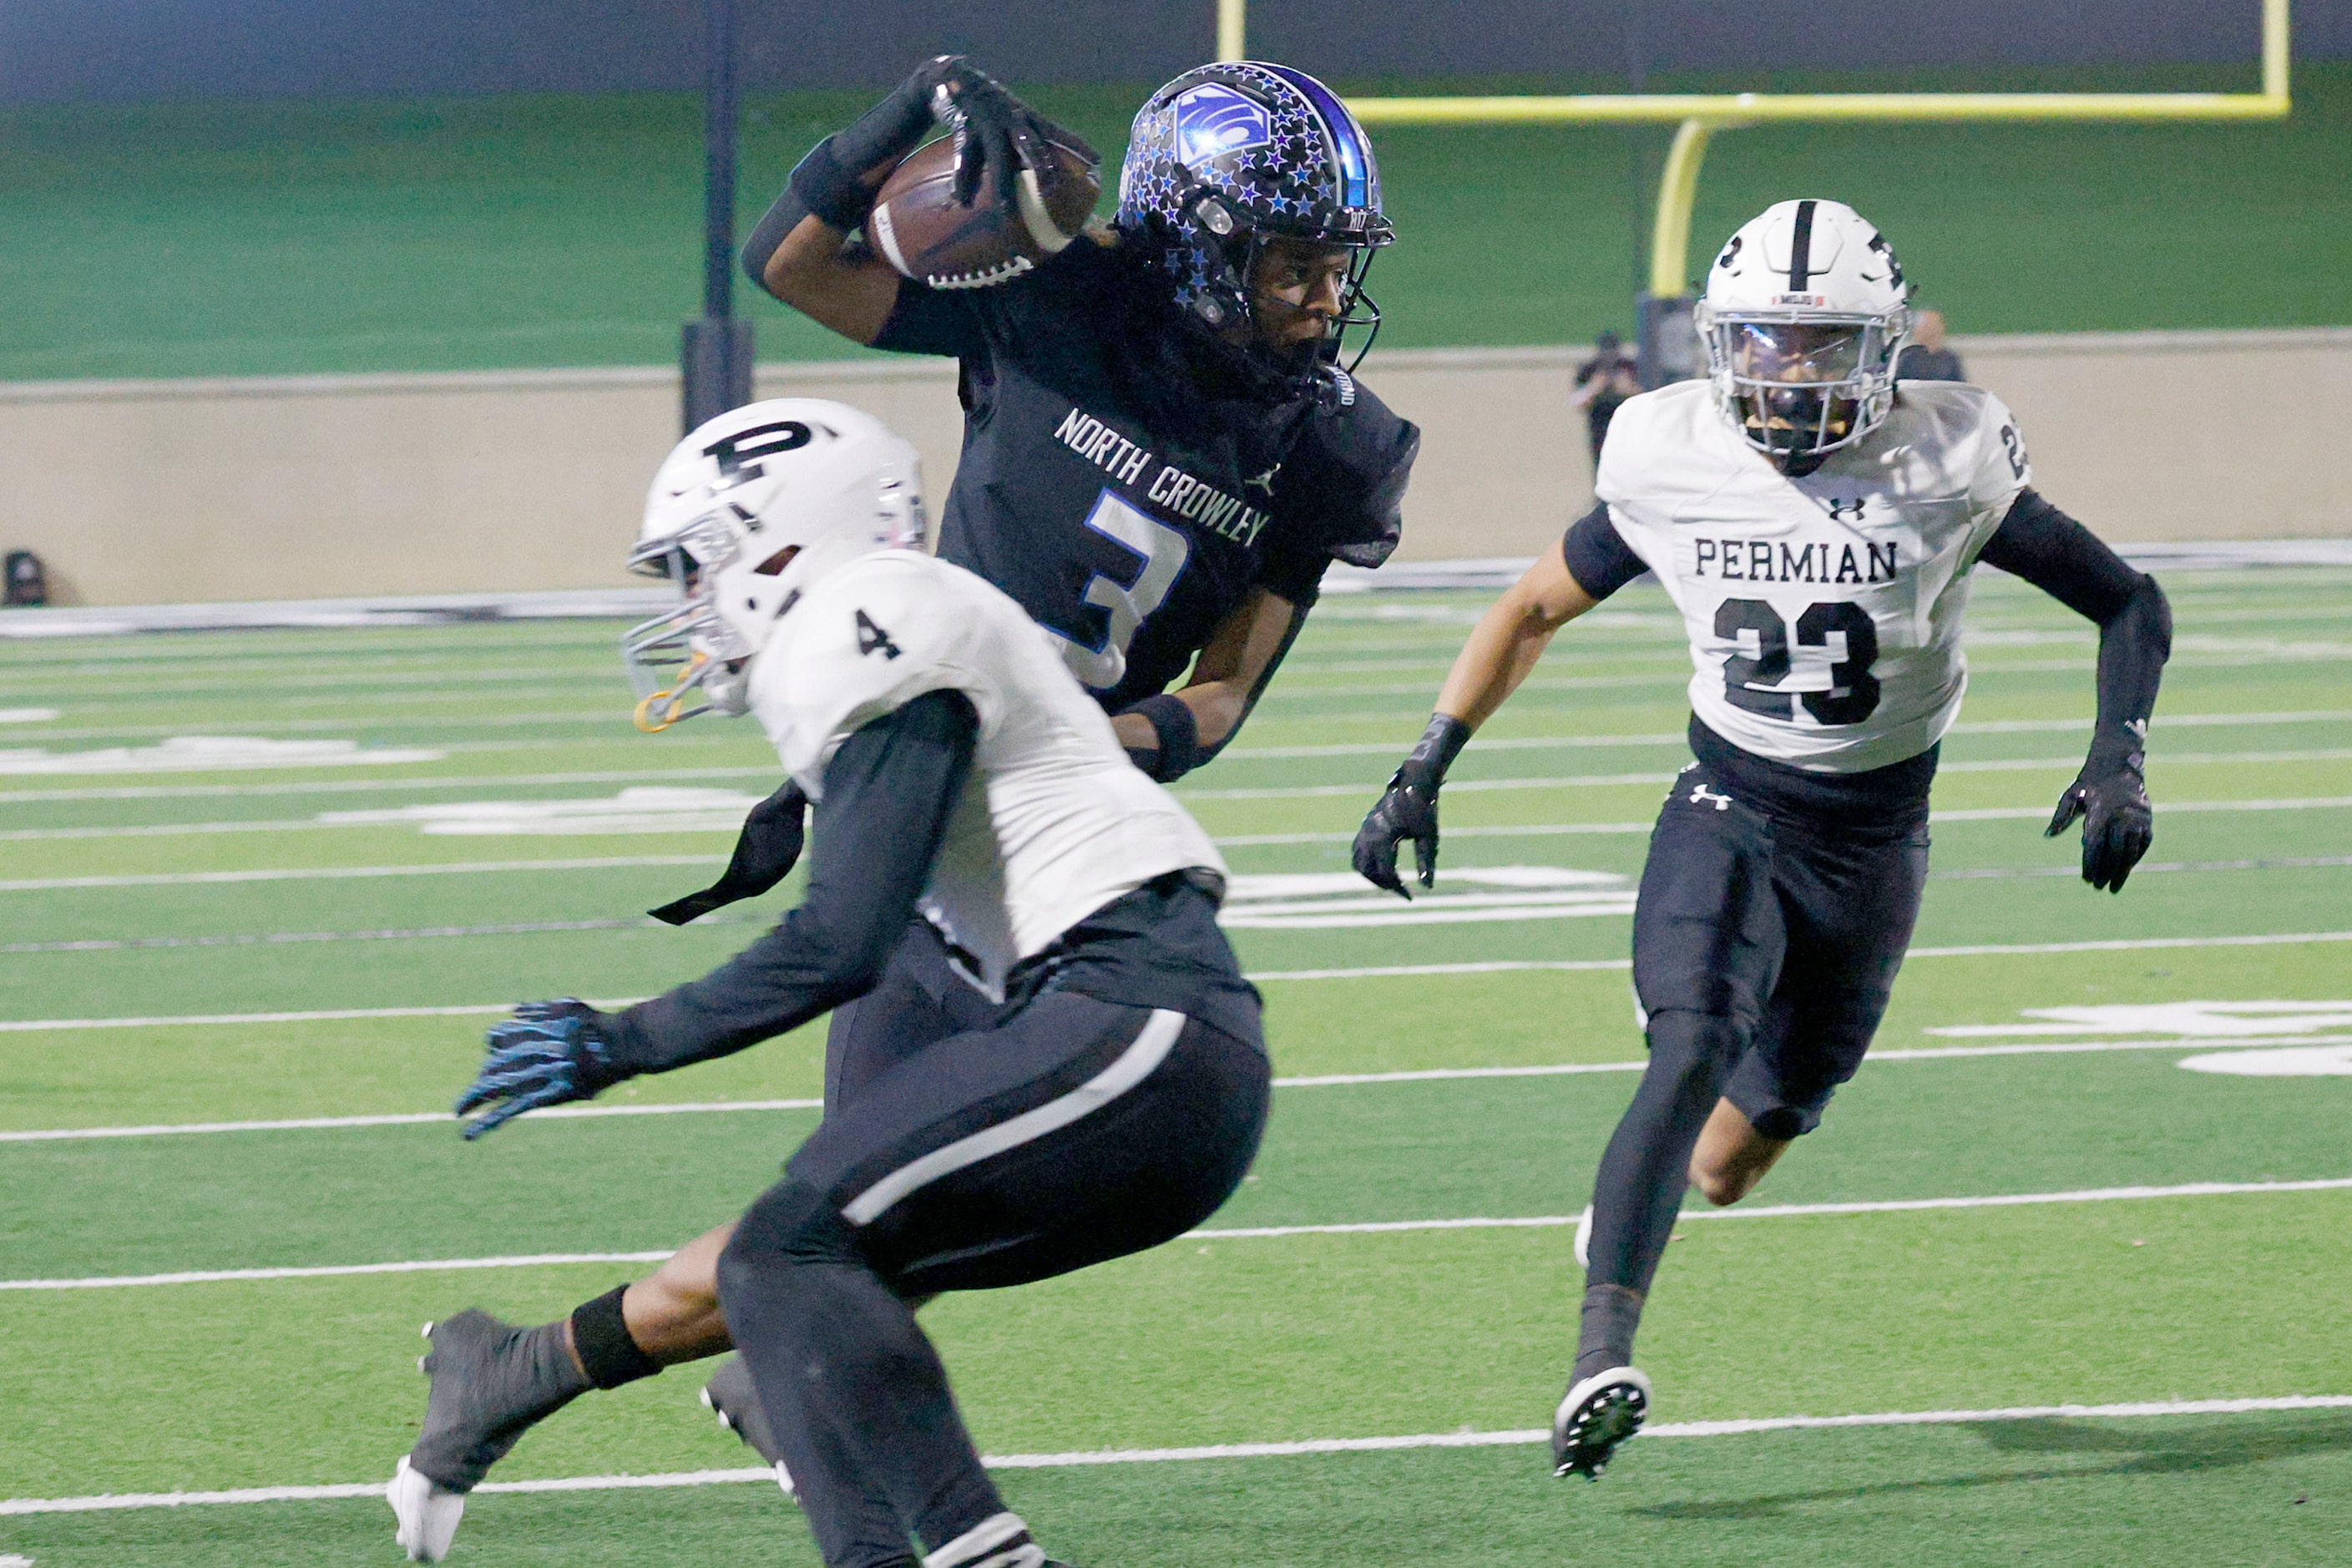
x=745 y=515
x=1802 y=315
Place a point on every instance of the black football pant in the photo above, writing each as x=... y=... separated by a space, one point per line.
x=1765 y=949
x=1072 y=1132
x=920 y=1000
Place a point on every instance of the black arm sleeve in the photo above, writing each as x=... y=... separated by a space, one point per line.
x=888 y=793
x=2071 y=564
x=927 y=320
x=831 y=181
x=1597 y=556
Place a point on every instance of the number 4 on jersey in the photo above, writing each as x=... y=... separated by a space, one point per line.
x=872 y=638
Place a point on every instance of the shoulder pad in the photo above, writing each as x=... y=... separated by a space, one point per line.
x=1641 y=425
x=867 y=639
x=1350 y=467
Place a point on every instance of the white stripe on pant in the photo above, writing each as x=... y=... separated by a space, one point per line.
x=1151 y=1046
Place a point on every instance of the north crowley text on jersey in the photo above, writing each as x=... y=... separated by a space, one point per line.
x=1174 y=491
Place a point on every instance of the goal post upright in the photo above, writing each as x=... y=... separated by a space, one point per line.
x=1697 y=116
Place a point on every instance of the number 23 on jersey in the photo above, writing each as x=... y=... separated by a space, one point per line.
x=1753 y=681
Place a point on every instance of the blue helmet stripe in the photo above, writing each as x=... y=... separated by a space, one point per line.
x=1347 y=136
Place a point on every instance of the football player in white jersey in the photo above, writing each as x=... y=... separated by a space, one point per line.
x=1816 y=524
x=1112 y=1102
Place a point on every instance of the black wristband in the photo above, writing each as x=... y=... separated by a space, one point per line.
x=1424 y=767
x=1172 y=719
x=600 y=1337
x=830 y=190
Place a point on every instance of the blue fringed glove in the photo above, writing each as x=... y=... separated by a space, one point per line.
x=547 y=1054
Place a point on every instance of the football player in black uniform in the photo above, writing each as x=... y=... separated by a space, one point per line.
x=1162 y=454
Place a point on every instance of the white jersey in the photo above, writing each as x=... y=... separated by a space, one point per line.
x=1055 y=821
x=1824 y=612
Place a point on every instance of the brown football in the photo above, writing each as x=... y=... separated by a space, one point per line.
x=921 y=230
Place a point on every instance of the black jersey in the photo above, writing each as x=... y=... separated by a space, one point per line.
x=1127 y=483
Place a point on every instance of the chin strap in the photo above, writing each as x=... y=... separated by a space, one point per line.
x=649 y=717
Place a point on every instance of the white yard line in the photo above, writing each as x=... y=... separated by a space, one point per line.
x=1369 y=792
x=1792 y=1211
x=395 y=933
x=2162 y=722
x=1421 y=912
x=1497 y=967
x=2007 y=764
x=1376 y=971
x=1256 y=1233
x=1312 y=1080
x=317 y=1015
x=362 y=786
x=403 y=1118
x=2134 y=944
x=1303 y=1448
x=336 y=1270
x=334 y=873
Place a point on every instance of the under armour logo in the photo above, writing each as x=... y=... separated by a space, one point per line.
x=1702 y=795
x=1838 y=510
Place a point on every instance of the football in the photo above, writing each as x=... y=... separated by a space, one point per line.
x=923 y=232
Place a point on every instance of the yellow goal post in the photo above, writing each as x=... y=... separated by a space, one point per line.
x=1697 y=116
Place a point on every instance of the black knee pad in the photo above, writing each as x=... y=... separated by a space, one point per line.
x=792 y=1222
x=1783 y=1122
x=1681 y=1039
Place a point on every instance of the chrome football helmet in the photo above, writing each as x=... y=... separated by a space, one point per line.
x=1803 y=314
x=745 y=515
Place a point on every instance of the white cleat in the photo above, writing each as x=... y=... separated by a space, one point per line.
x=427 y=1514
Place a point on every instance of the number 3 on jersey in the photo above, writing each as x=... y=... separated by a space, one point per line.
x=1749 y=681
x=1160 y=553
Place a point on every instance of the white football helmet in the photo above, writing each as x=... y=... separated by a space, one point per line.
x=745 y=515
x=1802 y=315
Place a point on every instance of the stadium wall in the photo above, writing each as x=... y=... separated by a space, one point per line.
x=177 y=491
x=140 y=50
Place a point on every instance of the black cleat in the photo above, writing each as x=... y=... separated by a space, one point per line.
x=730 y=1396
x=1600 y=1412
x=491 y=1383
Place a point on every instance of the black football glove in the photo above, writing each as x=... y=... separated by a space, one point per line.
x=1409 y=810
x=547 y=1054
x=2110 y=794
x=996 y=134
x=765 y=852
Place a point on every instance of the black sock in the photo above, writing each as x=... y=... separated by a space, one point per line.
x=600 y=1336
x=1605 y=1336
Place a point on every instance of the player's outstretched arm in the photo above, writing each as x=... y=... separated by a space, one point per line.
x=2055 y=553
x=888 y=793
x=1502 y=648
x=801 y=251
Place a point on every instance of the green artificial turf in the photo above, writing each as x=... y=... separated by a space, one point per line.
x=296 y=1382
x=298 y=237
